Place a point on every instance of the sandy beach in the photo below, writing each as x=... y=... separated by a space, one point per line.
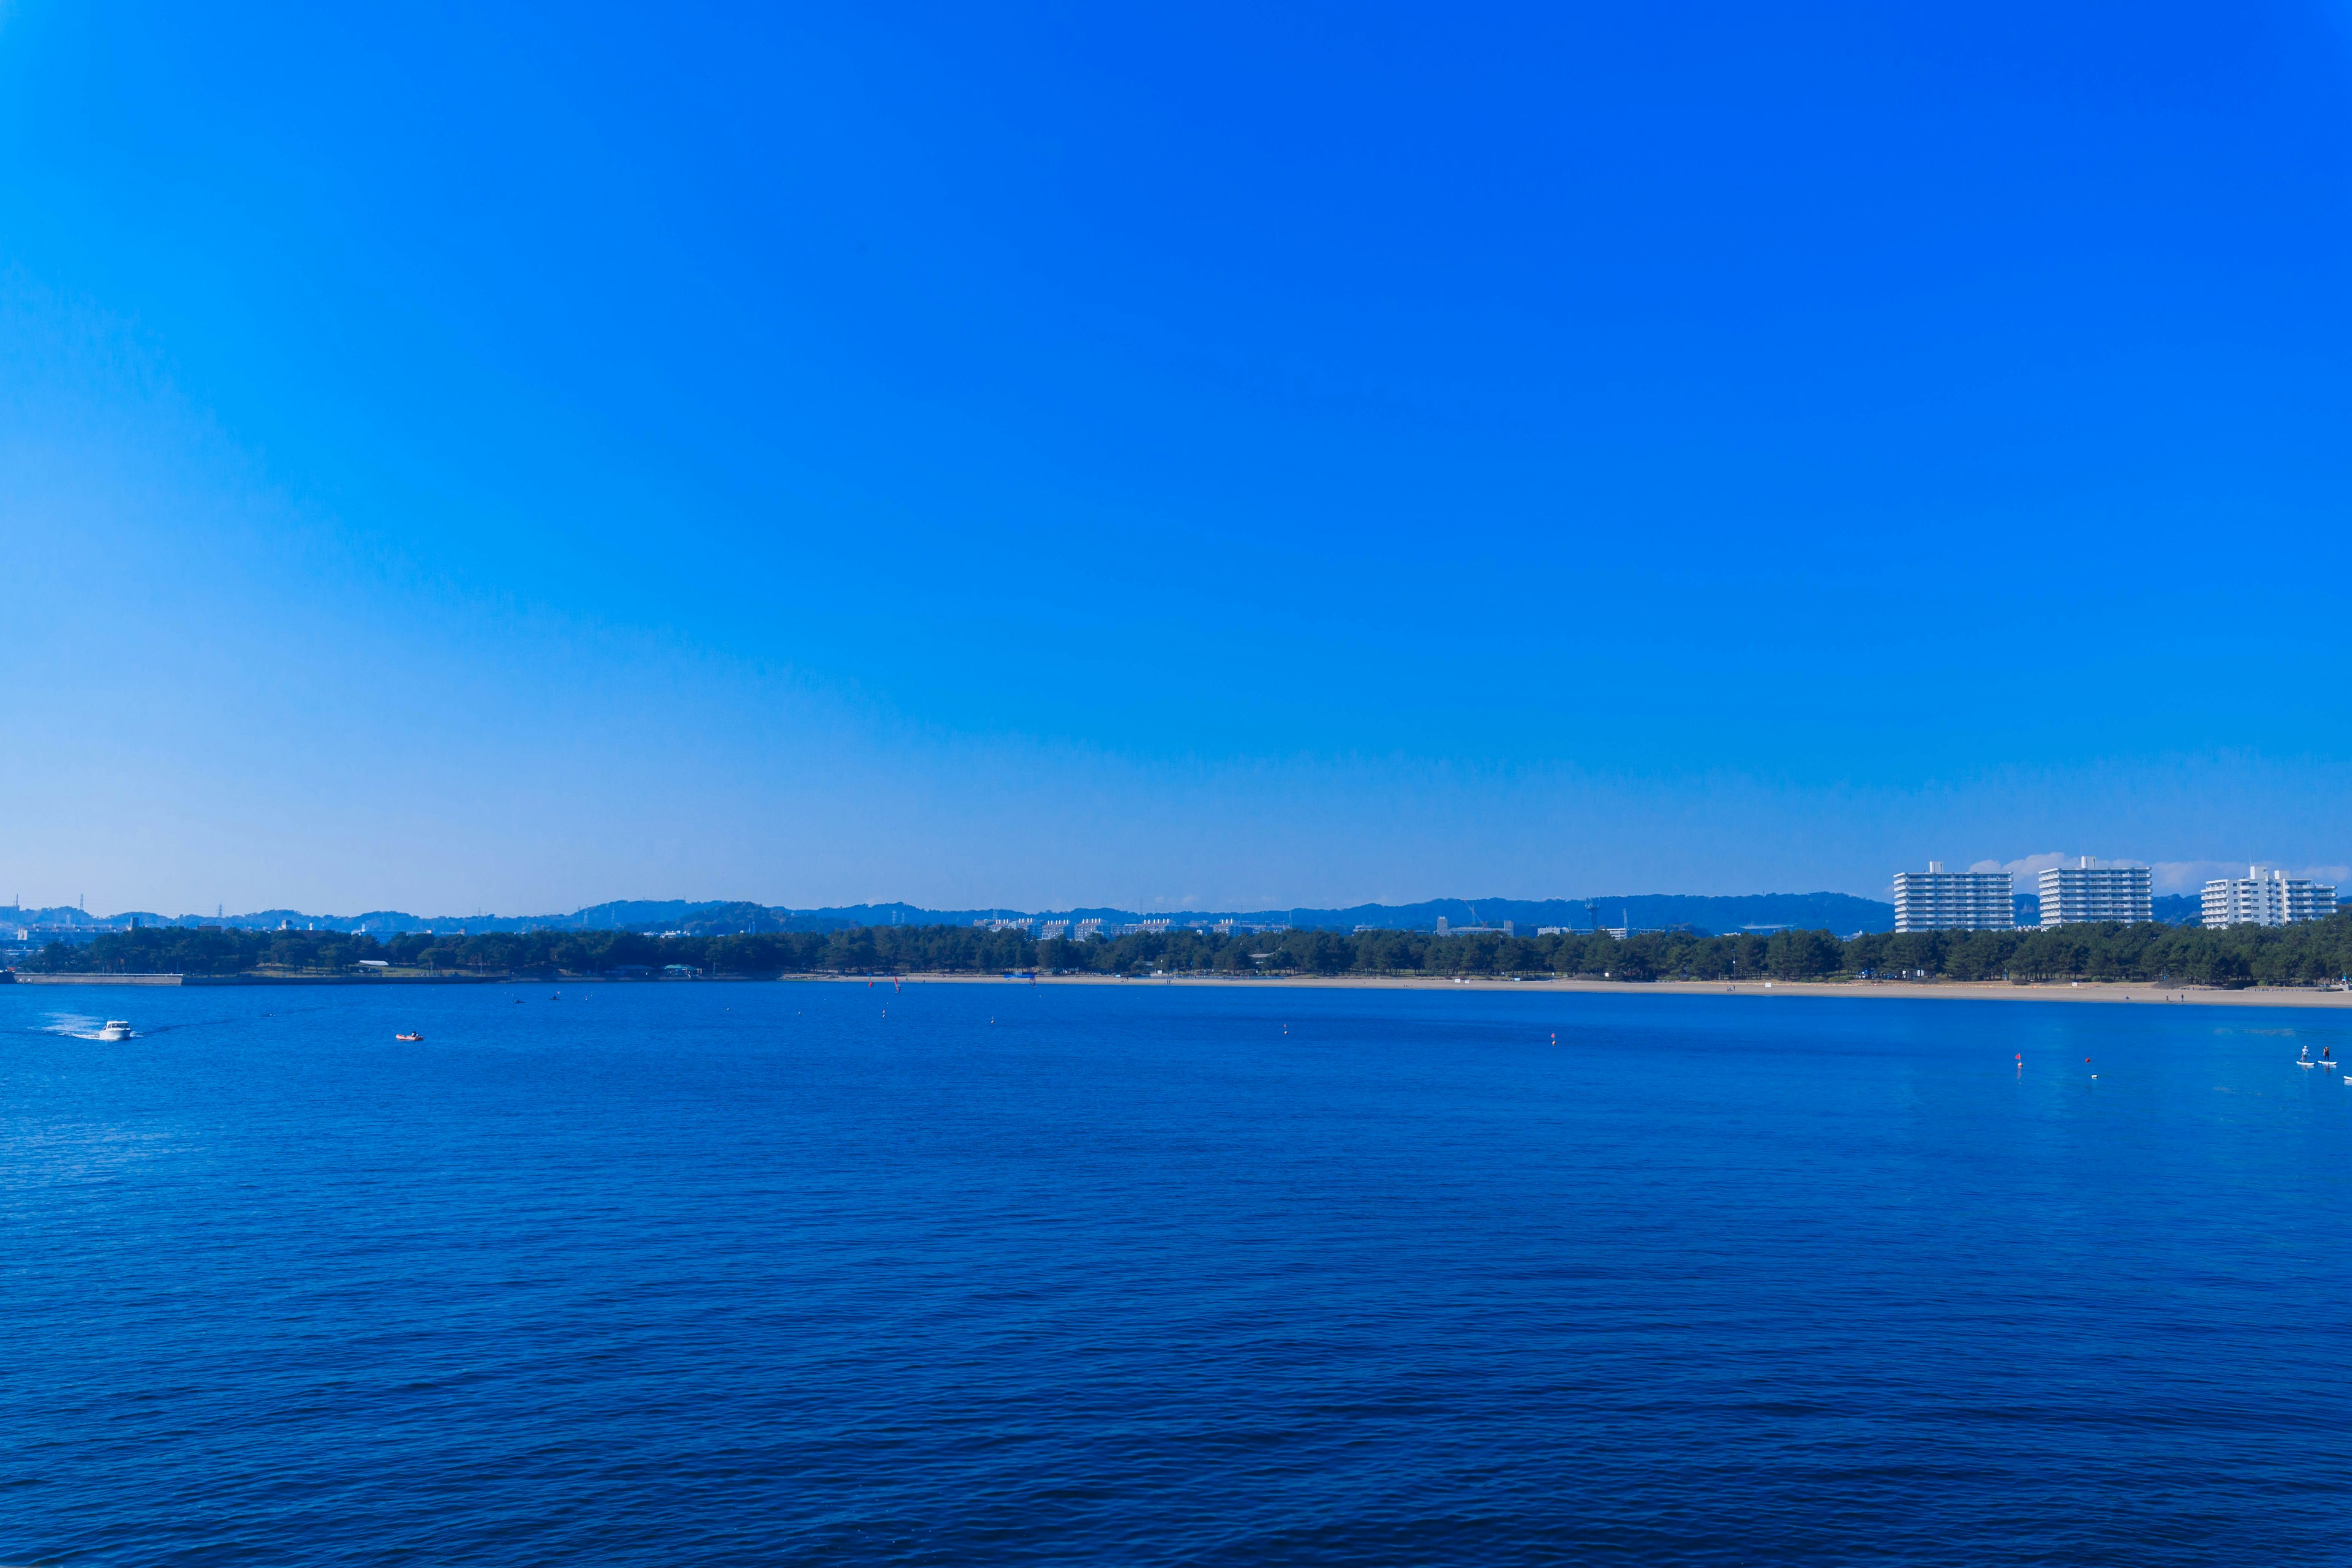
x=1934 y=991
x=1929 y=990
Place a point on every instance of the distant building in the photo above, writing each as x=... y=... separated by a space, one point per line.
x=1087 y=930
x=1938 y=900
x=2264 y=898
x=2073 y=894
x=1051 y=930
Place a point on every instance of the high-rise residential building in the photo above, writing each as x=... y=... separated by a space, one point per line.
x=2071 y=894
x=1938 y=900
x=2265 y=898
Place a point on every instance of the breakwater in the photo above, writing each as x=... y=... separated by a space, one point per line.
x=26 y=979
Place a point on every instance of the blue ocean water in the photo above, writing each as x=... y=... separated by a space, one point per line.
x=983 y=1273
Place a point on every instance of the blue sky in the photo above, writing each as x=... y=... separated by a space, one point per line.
x=1202 y=457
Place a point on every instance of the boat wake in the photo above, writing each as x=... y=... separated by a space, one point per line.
x=81 y=1027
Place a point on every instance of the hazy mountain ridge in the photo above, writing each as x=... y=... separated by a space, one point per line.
x=1840 y=913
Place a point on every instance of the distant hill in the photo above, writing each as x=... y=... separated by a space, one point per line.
x=1839 y=913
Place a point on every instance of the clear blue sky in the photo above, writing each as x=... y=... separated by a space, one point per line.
x=1215 y=455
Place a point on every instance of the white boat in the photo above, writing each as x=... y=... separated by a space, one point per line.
x=116 y=1029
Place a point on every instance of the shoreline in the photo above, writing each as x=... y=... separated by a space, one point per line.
x=2115 y=993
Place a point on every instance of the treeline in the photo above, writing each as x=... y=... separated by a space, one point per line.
x=2300 y=954
x=212 y=950
x=2305 y=953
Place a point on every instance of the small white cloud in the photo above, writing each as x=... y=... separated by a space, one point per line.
x=2028 y=868
x=2163 y=875
x=2023 y=870
x=2189 y=875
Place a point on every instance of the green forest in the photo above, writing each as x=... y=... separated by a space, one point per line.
x=2302 y=954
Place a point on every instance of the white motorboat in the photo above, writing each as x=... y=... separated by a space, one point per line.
x=116 y=1029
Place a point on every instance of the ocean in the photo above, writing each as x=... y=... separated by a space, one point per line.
x=687 y=1274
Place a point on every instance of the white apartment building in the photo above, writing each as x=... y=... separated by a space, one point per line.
x=2265 y=898
x=2071 y=894
x=1938 y=900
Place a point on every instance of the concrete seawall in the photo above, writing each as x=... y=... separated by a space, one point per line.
x=23 y=979
x=102 y=979
x=501 y=979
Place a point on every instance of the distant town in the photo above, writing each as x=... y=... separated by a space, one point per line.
x=2082 y=921
x=24 y=928
x=1933 y=899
